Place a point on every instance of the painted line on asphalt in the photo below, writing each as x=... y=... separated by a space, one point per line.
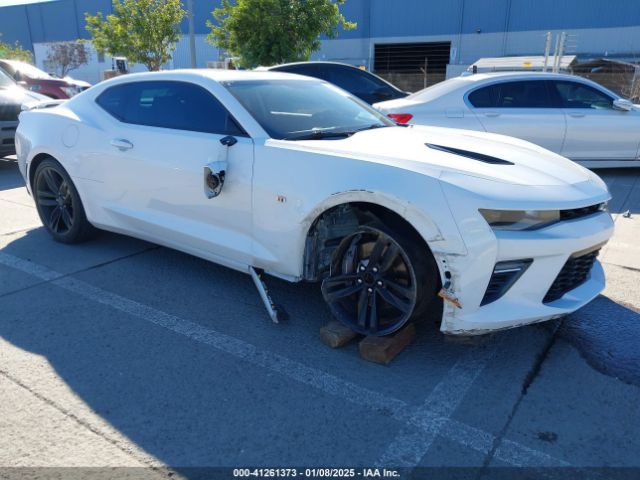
x=410 y=445
x=428 y=420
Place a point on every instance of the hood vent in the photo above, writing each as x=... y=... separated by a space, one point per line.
x=473 y=155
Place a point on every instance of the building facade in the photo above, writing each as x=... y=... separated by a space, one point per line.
x=436 y=38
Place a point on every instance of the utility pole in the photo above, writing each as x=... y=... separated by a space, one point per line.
x=561 y=40
x=547 y=49
x=425 y=70
x=192 y=37
x=555 y=54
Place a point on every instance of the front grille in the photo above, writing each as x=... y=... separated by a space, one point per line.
x=580 y=212
x=9 y=112
x=573 y=274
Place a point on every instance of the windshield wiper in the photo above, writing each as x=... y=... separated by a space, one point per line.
x=321 y=135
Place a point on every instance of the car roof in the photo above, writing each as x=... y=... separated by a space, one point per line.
x=477 y=77
x=467 y=81
x=314 y=62
x=218 y=75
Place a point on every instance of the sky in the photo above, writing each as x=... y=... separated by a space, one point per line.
x=6 y=3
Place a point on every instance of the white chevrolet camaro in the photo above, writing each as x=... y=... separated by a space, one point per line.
x=289 y=175
x=569 y=115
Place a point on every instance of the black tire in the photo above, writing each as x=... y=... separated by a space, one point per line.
x=59 y=205
x=380 y=280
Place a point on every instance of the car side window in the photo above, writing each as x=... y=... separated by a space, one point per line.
x=521 y=94
x=485 y=97
x=578 y=95
x=168 y=104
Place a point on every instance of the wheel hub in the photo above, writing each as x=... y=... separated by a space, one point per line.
x=371 y=287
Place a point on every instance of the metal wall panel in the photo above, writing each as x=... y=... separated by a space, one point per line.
x=14 y=25
x=573 y=14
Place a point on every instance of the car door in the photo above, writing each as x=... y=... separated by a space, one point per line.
x=595 y=129
x=522 y=109
x=153 y=156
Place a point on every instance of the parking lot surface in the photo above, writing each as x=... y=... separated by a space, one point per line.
x=120 y=353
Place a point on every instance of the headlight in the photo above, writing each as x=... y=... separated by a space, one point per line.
x=519 y=219
x=70 y=91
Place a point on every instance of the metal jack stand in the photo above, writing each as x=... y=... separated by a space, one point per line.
x=275 y=312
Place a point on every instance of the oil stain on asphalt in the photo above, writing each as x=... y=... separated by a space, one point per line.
x=607 y=335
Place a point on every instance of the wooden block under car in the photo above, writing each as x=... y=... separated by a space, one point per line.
x=384 y=349
x=336 y=334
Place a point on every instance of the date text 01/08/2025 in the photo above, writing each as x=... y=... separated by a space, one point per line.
x=316 y=472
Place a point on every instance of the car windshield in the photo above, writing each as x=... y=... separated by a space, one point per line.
x=5 y=80
x=30 y=71
x=304 y=109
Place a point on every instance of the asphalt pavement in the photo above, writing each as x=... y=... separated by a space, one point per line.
x=120 y=353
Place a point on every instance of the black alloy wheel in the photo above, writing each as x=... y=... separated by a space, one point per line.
x=54 y=198
x=58 y=203
x=373 y=286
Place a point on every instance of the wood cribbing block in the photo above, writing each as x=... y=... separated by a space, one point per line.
x=384 y=349
x=335 y=334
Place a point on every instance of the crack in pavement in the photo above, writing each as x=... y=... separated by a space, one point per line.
x=429 y=421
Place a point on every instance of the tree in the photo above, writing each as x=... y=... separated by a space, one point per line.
x=67 y=56
x=144 y=31
x=267 y=32
x=14 y=52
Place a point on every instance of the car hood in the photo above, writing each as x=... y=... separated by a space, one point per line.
x=408 y=148
x=17 y=95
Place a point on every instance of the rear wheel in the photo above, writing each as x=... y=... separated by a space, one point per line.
x=379 y=281
x=58 y=203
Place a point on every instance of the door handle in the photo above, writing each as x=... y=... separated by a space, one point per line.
x=121 y=144
x=576 y=114
x=492 y=114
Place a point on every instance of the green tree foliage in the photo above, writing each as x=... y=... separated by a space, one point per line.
x=14 y=52
x=268 y=32
x=144 y=31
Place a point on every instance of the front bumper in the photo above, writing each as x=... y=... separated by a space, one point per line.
x=7 y=137
x=549 y=248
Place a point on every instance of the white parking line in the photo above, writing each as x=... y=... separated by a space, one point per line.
x=411 y=444
x=427 y=421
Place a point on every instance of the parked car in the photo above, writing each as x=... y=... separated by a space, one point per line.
x=291 y=175
x=569 y=115
x=364 y=85
x=41 y=82
x=12 y=99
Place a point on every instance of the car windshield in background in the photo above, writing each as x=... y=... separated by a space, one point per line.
x=303 y=109
x=6 y=81
x=30 y=71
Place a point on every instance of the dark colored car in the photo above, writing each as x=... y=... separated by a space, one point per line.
x=362 y=84
x=41 y=82
x=12 y=98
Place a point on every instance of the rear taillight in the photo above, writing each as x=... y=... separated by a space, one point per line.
x=401 y=118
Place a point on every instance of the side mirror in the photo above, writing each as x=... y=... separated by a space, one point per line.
x=215 y=172
x=622 y=105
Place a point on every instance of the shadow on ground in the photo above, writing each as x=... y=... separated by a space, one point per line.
x=606 y=334
x=9 y=174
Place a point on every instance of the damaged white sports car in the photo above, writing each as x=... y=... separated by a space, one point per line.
x=263 y=171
